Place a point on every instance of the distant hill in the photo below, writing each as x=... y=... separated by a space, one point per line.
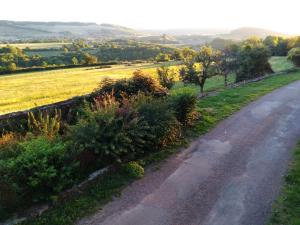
x=246 y=32
x=202 y=36
x=12 y=30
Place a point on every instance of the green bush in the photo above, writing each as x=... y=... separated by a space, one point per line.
x=162 y=121
x=9 y=146
x=140 y=82
x=252 y=61
x=294 y=56
x=166 y=77
x=9 y=193
x=133 y=170
x=41 y=169
x=184 y=106
x=111 y=130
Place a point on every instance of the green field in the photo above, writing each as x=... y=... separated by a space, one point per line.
x=37 y=45
x=280 y=63
x=45 y=53
x=28 y=90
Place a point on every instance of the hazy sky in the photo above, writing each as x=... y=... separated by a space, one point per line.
x=279 y=15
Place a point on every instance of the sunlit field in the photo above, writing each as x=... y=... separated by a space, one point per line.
x=37 y=45
x=28 y=90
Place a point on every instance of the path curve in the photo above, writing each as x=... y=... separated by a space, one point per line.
x=229 y=176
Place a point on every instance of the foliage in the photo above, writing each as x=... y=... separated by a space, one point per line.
x=112 y=131
x=227 y=62
x=128 y=50
x=79 y=53
x=162 y=57
x=9 y=146
x=133 y=170
x=140 y=82
x=189 y=74
x=253 y=60
x=208 y=58
x=44 y=123
x=188 y=55
x=58 y=85
x=277 y=45
x=213 y=109
x=41 y=169
x=184 y=105
x=199 y=66
x=166 y=77
x=294 y=56
x=163 y=124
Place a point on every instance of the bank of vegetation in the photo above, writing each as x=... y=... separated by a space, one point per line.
x=126 y=124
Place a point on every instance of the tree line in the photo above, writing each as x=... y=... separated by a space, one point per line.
x=248 y=59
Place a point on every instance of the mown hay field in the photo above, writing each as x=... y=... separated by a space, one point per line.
x=27 y=90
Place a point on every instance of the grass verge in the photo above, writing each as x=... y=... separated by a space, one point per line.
x=286 y=210
x=213 y=109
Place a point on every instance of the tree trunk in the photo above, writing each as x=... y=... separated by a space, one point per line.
x=225 y=80
x=202 y=82
x=202 y=89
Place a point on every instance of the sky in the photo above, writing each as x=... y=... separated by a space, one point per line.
x=278 y=15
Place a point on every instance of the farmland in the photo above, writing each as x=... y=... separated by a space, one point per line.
x=28 y=90
x=42 y=45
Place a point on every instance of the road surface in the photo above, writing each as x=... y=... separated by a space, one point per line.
x=229 y=176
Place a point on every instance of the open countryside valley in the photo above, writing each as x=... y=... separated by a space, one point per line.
x=103 y=124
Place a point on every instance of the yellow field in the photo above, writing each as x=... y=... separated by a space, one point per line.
x=37 y=45
x=28 y=90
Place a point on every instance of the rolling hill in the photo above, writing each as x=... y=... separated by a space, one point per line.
x=246 y=32
x=13 y=30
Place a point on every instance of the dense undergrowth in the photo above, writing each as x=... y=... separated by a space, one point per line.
x=126 y=121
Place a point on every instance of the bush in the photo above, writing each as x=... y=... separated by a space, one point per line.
x=133 y=170
x=189 y=74
x=111 y=130
x=9 y=199
x=163 y=124
x=166 y=77
x=252 y=61
x=140 y=82
x=42 y=168
x=294 y=56
x=184 y=106
x=9 y=146
x=44 y=124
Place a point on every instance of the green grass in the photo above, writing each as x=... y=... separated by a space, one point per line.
x=45 y=53
x=213 y=110
x=286 y=210
x=27 y=90
x=280 y=63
